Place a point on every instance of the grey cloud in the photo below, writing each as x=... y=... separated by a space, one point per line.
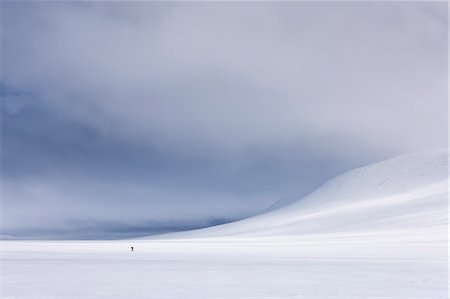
x=203 y=70
x=146 y=111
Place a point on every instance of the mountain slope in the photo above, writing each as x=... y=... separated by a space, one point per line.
x=407 y=193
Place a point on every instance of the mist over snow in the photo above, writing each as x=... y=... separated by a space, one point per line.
x=129 y=118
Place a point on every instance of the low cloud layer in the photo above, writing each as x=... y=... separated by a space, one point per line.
x=137 y=113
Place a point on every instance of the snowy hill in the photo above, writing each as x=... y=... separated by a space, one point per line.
x=407 y=193
x=378 y=231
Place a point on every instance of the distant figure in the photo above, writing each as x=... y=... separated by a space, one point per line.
x=132 y=248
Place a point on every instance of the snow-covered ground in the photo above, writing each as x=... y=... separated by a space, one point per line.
x=375 y=232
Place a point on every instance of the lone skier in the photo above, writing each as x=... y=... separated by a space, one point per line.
x=132 y=248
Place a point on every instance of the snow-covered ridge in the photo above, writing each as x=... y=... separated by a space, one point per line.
x=407 y=193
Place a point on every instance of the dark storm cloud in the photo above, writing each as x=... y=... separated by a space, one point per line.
x=148 y=112
x=87 y=230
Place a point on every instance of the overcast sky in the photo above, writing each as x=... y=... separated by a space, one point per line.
x=130 y=118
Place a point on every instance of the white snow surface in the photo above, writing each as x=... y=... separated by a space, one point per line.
x=379 y=231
